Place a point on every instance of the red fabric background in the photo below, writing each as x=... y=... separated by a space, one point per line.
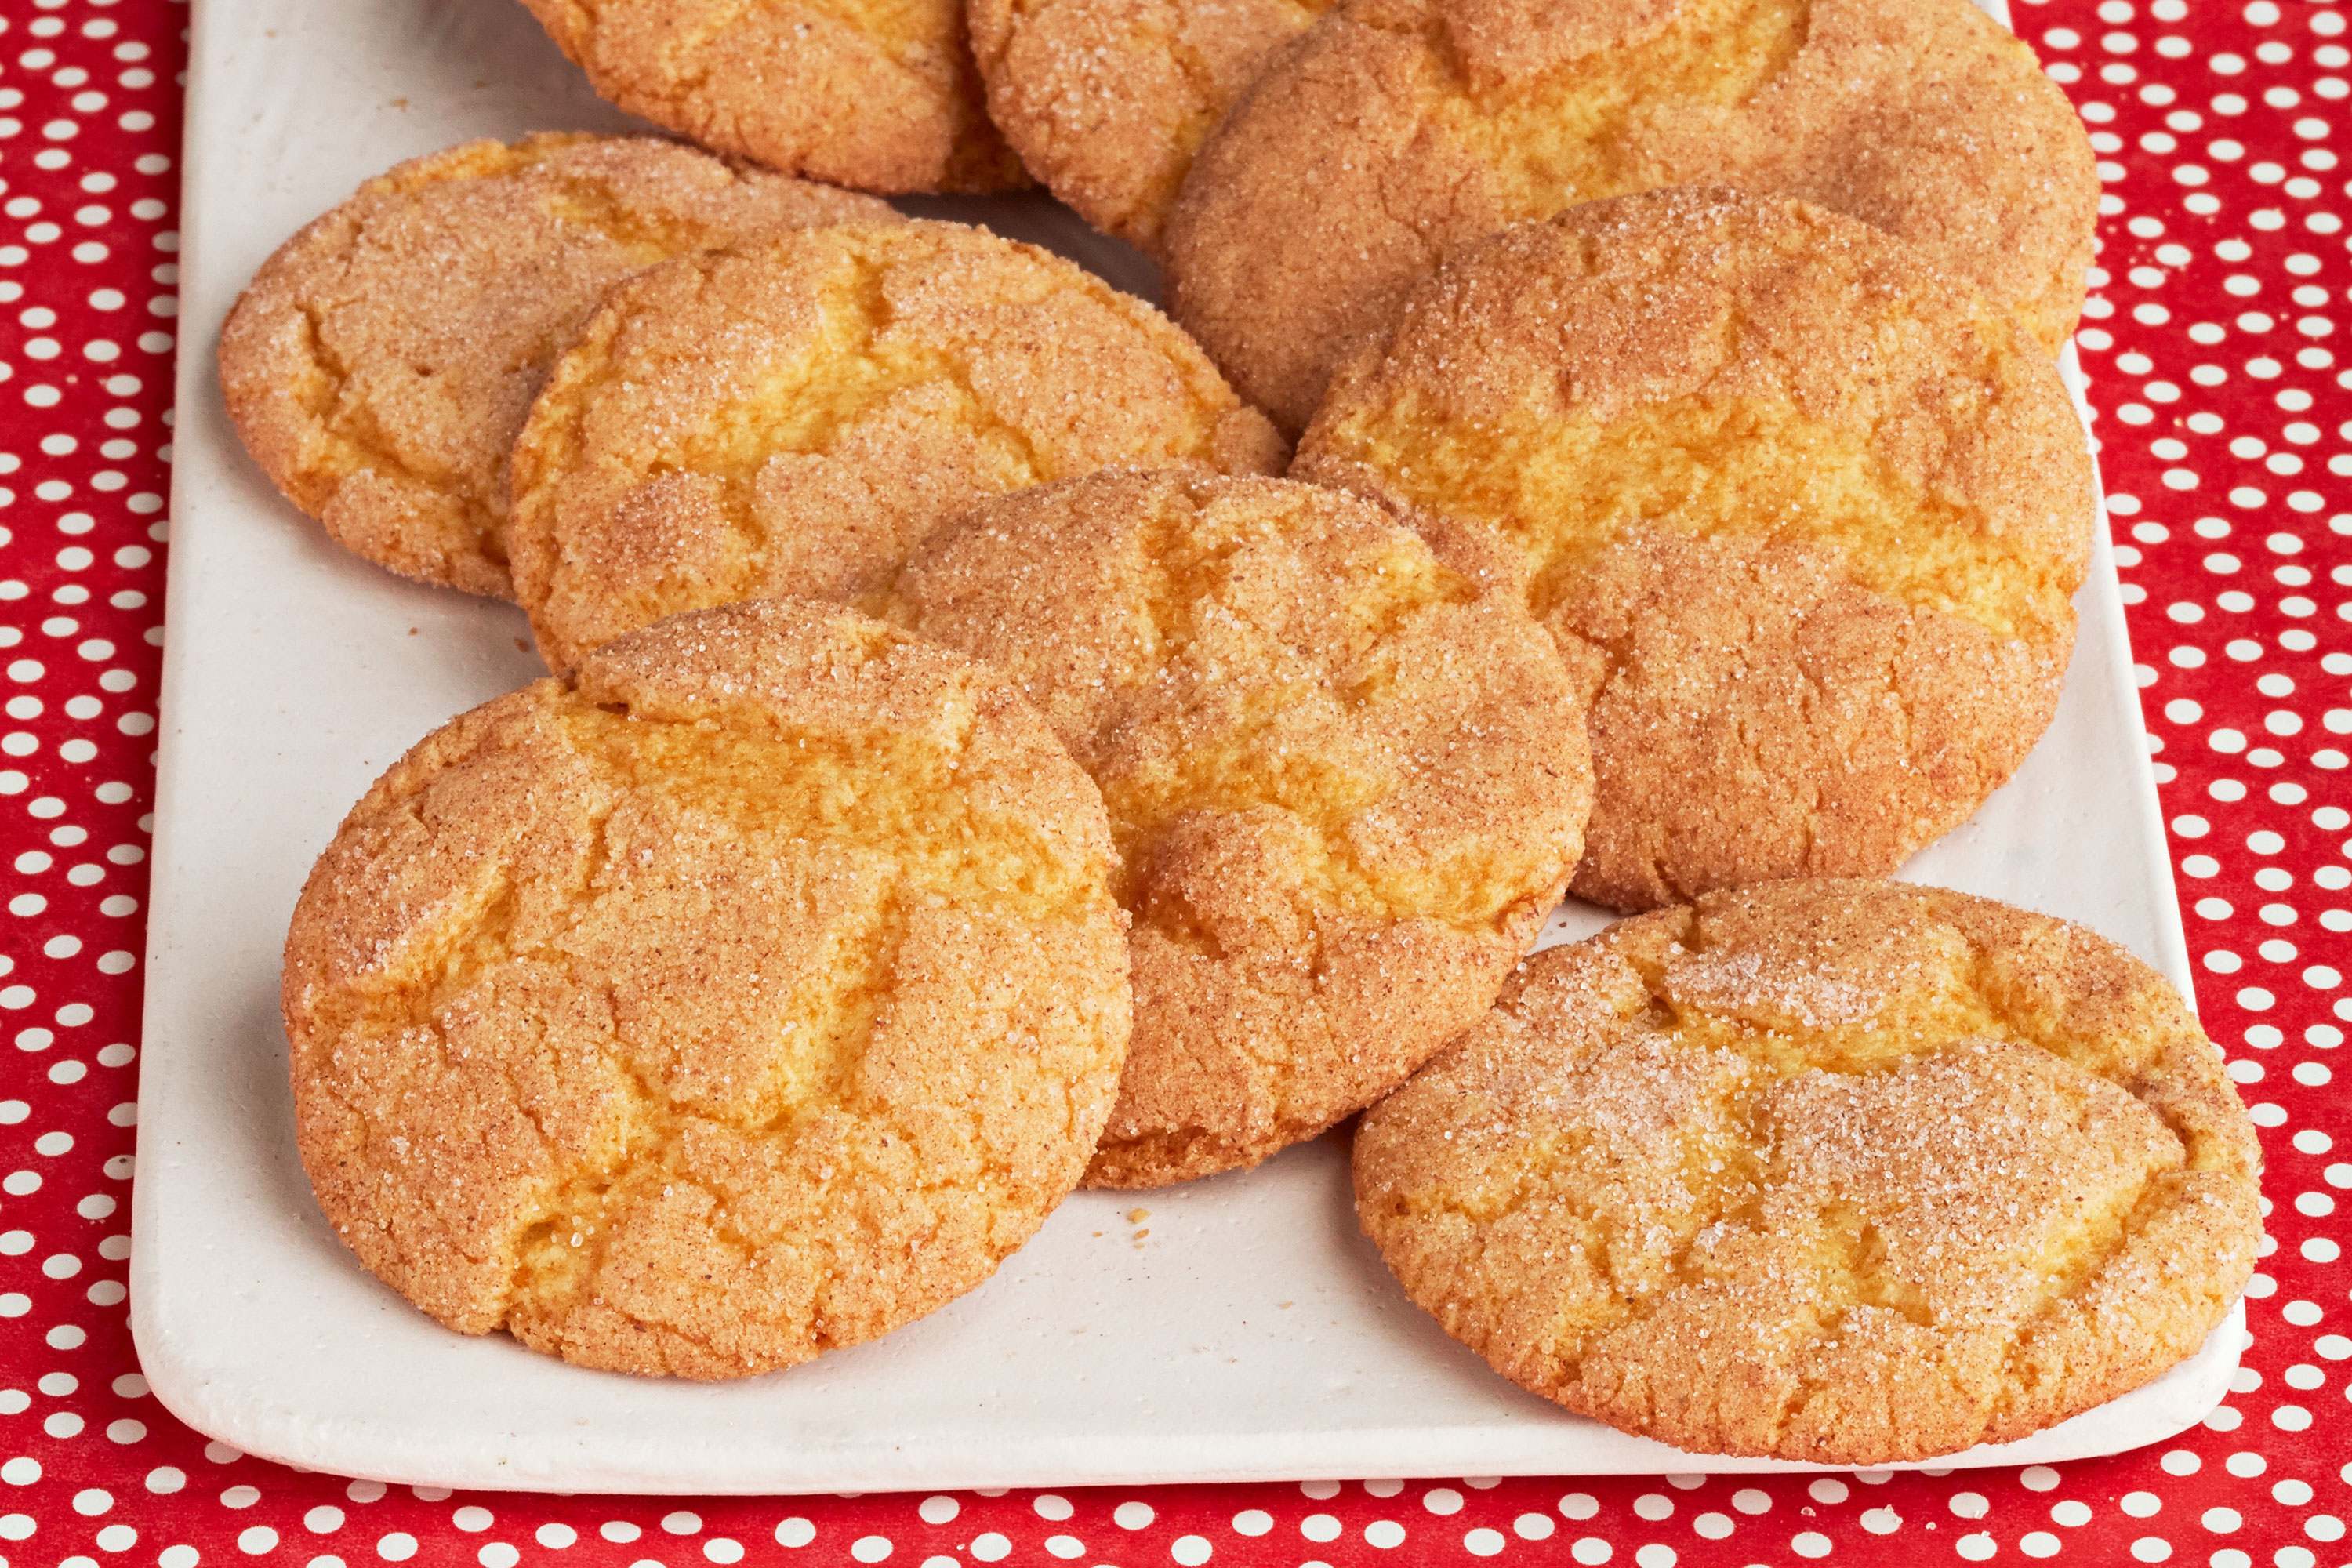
x=2213 y=345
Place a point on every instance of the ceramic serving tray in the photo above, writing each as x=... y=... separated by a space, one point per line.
x=1252 y=1335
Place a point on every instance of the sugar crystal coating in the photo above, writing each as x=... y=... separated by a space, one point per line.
x=883 y=97
x=1108 y=100
x=1843 y=1171
x=1805 y=517
x=1397 y=130
x=795 y=417
x=751 y=994
x=381 y=362
x=1346 y=784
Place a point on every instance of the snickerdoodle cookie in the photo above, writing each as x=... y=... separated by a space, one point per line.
x=1842 y=1171
x=748 y=995
x=794 y=417
x=381 y=362
x=1398 y=130
x=880 y=96
x=1107 y=100
x=1346 y=784
x=1805 y=517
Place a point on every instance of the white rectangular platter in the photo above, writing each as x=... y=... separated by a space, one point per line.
x=1254 y=1334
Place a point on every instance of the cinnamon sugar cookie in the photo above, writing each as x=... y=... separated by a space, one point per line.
x=881 y=97
x=794 y=417
x=382 y=360
x=1805 y=517
x=1841 y=1171
x=1346 y=784
x=1107 y=100
x=1399 y=130
x=749 y=994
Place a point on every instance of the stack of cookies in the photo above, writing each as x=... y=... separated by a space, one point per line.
x=982 y=757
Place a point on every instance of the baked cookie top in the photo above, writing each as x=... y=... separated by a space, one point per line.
x=1107 y=100
x=1841 y=1171
x=794 y=417
x=1346 y=784
x=1805 y=517
x=881 y=97
x=746 y=996
x=382 y=361
x=1398 y=130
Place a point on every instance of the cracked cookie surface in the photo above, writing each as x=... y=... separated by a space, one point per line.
x=794 y=419
x=1347 y=785
x=1851 y=1172
x=884 y=97
x=381 y=362
x=748 y=995
x=1108 y=100
x=1397 y=130
x=1805 y=517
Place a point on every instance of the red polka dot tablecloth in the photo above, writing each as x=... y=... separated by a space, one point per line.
x=2225 y=412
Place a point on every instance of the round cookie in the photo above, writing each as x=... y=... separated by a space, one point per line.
x=1396 y=131
x=381 y=362
x=1850 y=1173
x=1805 y=517
x=794 y=417
x=1108 y=100
x=745 y=998
x=881 y=97
x=1346 y=784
